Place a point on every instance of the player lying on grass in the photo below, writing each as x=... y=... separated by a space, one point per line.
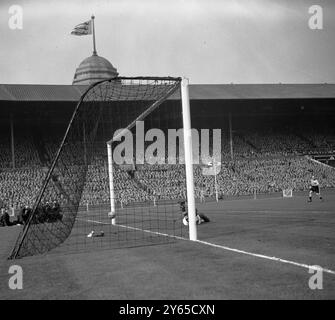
x=314 y=187
x=200 y=217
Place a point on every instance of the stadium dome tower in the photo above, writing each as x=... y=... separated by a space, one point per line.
x=93 y=69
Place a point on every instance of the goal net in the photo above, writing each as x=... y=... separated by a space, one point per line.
x=110 y=184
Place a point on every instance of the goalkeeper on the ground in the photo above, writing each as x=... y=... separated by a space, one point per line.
x=200 y=217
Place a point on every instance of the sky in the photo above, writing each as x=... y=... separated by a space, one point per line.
x=208 y=41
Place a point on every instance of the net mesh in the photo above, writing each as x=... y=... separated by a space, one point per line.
x=70 y=211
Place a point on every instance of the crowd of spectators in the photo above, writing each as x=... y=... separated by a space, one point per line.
x=25 y=152
x=235 y=177
x=20 y=187
x=242 y=177
x=126 y=188
x=262 y=144
x=162 y=181
x=263 y=162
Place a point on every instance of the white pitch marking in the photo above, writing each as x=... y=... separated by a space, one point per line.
x=134 y=228
x=257 y=255
x=154 y=232
x=247 y=199
x=250 y=198
x=94 y=221
x=303 y=265
x=275 y=211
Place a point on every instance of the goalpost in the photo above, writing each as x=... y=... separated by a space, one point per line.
x=188 y=163
x=188 y=159
x=78 y=175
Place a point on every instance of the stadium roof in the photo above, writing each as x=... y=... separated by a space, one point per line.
x=36 y=92
x=261 y=91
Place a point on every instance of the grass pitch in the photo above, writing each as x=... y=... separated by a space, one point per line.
x=251 y=249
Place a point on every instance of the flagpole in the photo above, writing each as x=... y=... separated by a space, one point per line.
x=93 y=31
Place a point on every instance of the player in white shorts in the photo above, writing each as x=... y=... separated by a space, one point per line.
x=200 y=217
x=314 y=188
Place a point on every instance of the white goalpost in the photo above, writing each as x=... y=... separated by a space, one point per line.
x=111 y=214
x=185 y=100
x=188 y=165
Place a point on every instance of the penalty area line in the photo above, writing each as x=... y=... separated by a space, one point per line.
x=93 y=221
x=256 y=255
x=150 y=231
x=135 y=228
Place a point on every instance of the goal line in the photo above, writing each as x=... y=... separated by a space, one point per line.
x=252 y=254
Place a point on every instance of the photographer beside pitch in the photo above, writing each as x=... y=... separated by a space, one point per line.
x=45 y=213
x=5 y=219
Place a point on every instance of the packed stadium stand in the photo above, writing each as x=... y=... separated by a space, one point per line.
x=267 y=148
